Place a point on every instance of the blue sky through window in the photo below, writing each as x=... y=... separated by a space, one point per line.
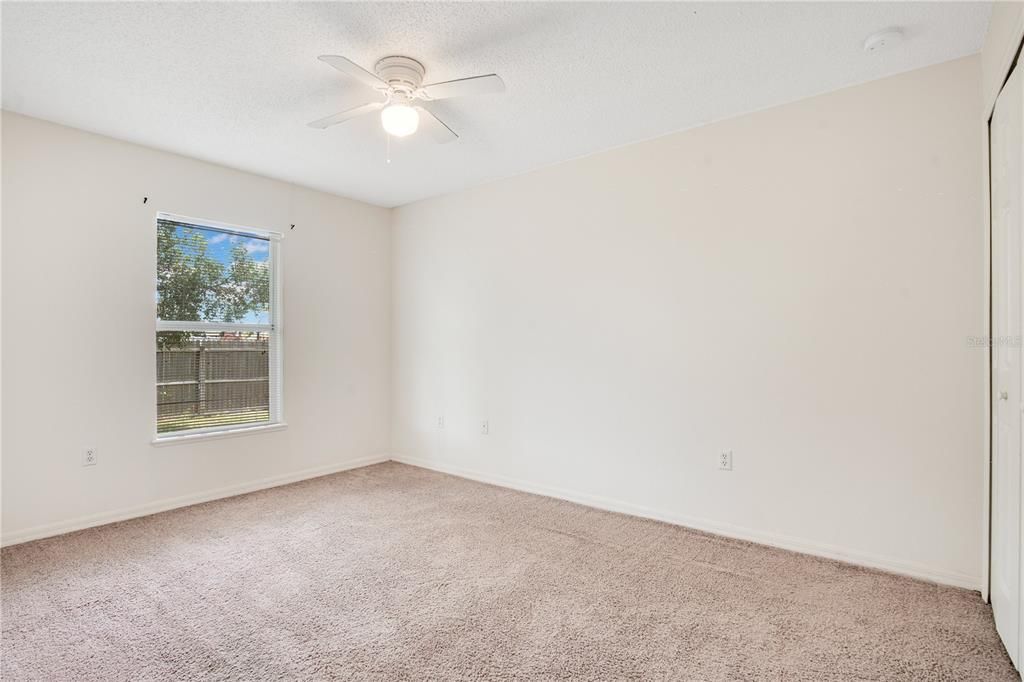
x=220 y=244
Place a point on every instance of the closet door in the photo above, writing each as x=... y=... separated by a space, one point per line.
x=1007 y=158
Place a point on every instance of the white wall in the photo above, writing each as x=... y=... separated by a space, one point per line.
x=797 y=285
x=78 y=329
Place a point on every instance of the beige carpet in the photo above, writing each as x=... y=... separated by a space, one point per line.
x=392 y=572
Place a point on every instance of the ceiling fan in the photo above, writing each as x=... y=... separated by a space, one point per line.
x=400 y=82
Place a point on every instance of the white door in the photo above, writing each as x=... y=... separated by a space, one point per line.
x=1007 y=158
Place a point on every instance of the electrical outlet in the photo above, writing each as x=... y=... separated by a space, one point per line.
x=485 y=427
x=725 y=460
x=89 y=458
x=440 y=422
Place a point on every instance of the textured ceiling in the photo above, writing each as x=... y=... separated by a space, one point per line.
x=235 y=83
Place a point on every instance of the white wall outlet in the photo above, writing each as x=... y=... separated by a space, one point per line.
x=440 y=422
x=725 y=460
x=485 y=427
x=89 y=457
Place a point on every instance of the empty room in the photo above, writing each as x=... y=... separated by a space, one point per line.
x=511 y=341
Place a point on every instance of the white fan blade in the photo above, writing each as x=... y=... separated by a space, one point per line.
x=342 y=116
x=476 y=85
x=350 y=68
x=436 y=128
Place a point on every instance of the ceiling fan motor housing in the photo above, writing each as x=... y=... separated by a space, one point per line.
x=403 y=74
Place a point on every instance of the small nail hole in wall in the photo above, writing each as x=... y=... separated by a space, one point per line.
x=145 y=199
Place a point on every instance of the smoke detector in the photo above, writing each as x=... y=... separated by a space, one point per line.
x=884 y=39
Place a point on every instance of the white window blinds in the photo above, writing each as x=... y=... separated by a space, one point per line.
x=218 y=344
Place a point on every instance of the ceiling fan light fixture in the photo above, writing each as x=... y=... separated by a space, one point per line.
x=399 y=120
x=399 y=80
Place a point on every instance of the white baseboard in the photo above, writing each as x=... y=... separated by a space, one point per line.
x=775 y=540
x=803 y=546
x=61 y=527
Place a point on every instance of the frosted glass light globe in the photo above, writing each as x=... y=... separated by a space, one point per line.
x=399 y=120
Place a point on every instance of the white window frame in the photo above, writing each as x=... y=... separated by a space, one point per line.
x=274 y=326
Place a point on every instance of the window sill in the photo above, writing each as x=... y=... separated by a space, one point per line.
x=161 y=441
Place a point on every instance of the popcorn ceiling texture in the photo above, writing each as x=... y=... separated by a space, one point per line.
x=236 y=83
x=395 y=573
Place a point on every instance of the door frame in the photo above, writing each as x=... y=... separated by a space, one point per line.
x=1008 y=63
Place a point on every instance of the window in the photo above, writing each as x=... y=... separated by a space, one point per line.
x=218 y=341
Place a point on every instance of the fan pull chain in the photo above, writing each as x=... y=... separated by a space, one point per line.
x=388 y=156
